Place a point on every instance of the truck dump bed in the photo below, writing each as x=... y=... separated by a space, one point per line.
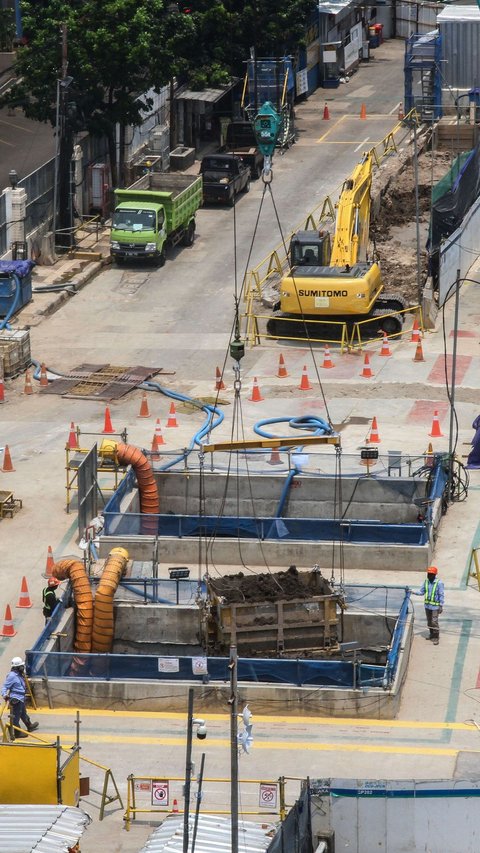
x=181 y=195
x=298 y=613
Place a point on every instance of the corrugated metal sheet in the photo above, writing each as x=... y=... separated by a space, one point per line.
x=334 y=7
x=40 y=829
x=214 y=833
x=416 y=17
x=210 y=96
x=460 y=30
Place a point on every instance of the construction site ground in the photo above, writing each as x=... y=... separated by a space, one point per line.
x=179 y=318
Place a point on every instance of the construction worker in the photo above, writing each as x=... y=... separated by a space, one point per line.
x=49 y=598
x=13 y=690
x=433 y=593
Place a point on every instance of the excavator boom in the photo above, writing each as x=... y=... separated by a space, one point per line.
x=350 y=240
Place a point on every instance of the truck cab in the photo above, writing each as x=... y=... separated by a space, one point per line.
x=136 y=230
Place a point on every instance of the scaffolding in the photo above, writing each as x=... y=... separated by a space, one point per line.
x=423 y=84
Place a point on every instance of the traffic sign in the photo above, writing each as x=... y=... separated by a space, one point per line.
x=267 y=795
x=160 y=792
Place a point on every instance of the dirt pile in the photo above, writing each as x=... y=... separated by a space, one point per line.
x=240 y=588
x=394 y=231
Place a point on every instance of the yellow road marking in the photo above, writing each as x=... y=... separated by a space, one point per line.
x=333 y=126
x=341 y=722
x=275 y=745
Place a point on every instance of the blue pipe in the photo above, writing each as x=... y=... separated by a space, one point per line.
x=5 y=324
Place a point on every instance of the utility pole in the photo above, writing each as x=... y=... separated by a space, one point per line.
x=233 y=702
x=188 y=771
x=63 y=217
x=417 y=210
x=452 y=390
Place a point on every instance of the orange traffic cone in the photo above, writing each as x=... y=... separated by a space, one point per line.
x=158 y=433
x=2 y=391
x=175 y=807
x=72 y=442
x=415 y=339
x=374 y=437
x=363 y=111
x=43 y=376
x=24 y=600
x=305 y=382
x=282 y=370
x=275 y=457
x=436 y=432
x=327 y=359
x=326 y=113
x=256 y=395
x=144 y=412
x=401 y=114
x=28 y=389
x=50 y=563
x=385 y=350
x=429 y=456
x=8 y=630
x=7 y=460
x=367 y=370
x=108 y=428
x=219 y=383
x=419 y=352
x=172 y=417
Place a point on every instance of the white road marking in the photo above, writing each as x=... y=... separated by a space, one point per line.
x=362 y=143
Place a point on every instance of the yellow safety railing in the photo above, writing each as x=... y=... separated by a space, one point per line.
x=357 y=342
x=254 y=334
x=274 y=265
x=133 y=810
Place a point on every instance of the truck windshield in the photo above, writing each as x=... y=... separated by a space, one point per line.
x=134 y=220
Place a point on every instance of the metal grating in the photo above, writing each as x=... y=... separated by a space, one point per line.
x=101 y=381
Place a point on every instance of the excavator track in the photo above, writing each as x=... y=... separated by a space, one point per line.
x=388 y=303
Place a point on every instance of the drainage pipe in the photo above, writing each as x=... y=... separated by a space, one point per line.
x=127 y=454
x=75 y=571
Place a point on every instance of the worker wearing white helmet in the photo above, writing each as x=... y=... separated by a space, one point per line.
x=13 y=690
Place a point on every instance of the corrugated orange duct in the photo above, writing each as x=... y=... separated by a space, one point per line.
x=147 y=486
x=114 y=569
x=75 y=571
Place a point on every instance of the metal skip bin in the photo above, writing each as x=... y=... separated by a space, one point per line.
x=282 y=623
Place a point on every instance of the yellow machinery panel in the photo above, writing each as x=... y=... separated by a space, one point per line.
x=70 y=784
x=336 y=292
x=29 y=774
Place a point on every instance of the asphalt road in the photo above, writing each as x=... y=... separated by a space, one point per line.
x=24 y=144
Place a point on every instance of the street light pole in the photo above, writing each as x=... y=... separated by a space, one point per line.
x=452 y=388
x=233 y=701
x=188 y=770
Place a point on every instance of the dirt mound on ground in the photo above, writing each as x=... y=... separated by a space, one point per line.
x=240 y=588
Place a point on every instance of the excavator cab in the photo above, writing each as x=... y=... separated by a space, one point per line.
x=310 y=249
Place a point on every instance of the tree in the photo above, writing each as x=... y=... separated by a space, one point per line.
x=116 y=51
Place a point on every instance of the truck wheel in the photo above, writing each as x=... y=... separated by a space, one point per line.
x=161 y=258
x=231 y=200
x=189 y=235
x=246 y=188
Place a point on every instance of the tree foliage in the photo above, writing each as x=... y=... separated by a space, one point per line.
x=119 y=49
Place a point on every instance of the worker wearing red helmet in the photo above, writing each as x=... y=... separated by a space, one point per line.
x=49 y=598
x=433 y=592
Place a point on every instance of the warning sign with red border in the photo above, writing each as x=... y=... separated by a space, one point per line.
x=267 y=795
x=160 y=792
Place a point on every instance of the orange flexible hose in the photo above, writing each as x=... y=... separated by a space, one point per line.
x=75 y=571
x=103 y=623
x=147 y=485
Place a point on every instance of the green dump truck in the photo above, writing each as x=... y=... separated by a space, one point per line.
x=155 y=212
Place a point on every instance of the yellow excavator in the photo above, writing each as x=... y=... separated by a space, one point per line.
x=337 y=284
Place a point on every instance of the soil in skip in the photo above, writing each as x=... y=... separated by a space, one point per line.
x=270 y=587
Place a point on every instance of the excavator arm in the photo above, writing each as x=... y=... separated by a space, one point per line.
x=353 y=217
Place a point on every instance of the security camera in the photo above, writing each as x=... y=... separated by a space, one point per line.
x=202 y=732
